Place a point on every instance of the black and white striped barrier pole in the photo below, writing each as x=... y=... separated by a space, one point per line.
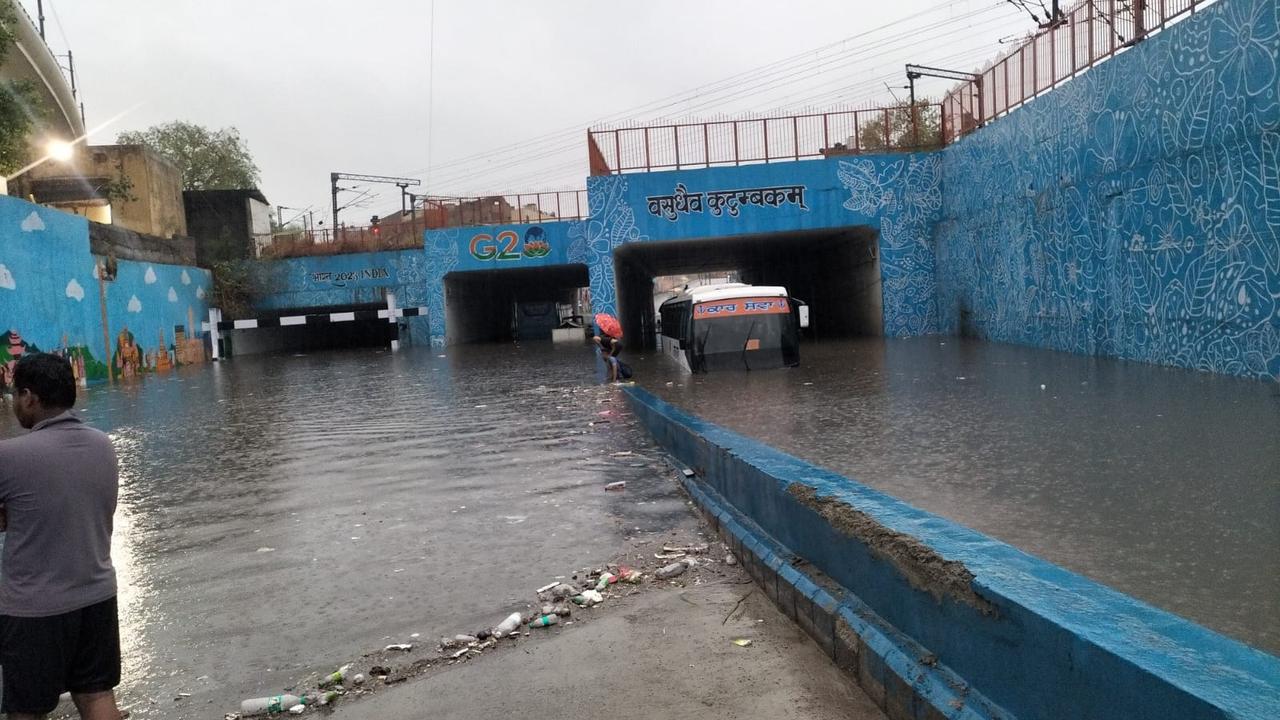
x=216 y=326
x=392 y=318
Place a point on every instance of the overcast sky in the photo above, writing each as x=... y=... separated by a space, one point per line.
x=319 y=85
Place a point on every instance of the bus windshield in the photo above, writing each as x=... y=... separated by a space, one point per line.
x=746 y=333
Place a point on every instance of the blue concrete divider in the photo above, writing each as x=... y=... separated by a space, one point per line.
x=936 y=620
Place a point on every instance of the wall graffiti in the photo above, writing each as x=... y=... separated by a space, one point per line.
x=1131 y=212
x=54 y=298
x=670 y=207
x=1134 y=211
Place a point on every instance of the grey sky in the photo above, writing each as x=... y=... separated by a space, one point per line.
x=320 y=85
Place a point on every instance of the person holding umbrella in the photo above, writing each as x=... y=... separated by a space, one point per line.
x=609 y=343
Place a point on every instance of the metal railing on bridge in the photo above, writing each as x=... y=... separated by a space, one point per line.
x=532 y=207
x=368 y=238
x=765 y=139
x=1089 y=34
x=405 y=230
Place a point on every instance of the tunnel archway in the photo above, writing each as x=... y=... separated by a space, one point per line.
x=512 y=303
x=837 y=272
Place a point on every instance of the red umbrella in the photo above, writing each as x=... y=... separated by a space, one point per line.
x=609 y=325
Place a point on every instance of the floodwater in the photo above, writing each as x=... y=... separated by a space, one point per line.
x=279 y=516
x=1161 y=483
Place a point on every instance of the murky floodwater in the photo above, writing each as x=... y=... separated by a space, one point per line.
x=279 y=516
x=1162 y=483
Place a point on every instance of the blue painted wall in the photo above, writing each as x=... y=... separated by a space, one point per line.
x=489 y=247
x=51 y=299
x=1132 y=212
x=897 y=195
x=1040 y=642
x=344 y=280
x=1135 y=211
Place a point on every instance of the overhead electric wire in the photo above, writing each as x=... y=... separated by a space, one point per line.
x=575 y=144
x=677 y=98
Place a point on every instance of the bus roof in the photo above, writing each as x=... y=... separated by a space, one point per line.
x=729 y=291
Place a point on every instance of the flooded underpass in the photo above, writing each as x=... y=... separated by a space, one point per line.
x=349 y=499
x=1159 y=482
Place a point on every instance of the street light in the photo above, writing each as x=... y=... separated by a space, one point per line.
x=60 y=150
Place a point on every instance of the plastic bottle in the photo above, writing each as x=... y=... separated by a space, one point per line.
x=605 y=580
x=506 y=627
x=545 y=621
x=268 y=705
x=675 y=568
x=335 y=677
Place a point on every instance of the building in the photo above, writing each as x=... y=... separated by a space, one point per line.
x=131 y=186
x=227 y=224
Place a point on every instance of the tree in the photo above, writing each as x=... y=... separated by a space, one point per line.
x=208 y=159
x=20 y=104
x=926 y=132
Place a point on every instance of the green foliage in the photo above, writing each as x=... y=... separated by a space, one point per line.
x=924 y=133
x=20 y=105
x=233 y=289
x=208 y=159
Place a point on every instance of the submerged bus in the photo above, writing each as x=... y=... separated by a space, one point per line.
x=732 y=327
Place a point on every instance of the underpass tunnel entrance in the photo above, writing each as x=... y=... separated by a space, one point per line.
x=513 y=304
x=308 y=329
x=836 y=272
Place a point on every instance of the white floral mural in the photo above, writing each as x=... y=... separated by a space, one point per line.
x=1134 y=212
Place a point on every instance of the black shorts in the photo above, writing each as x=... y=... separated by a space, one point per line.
x=43 y=657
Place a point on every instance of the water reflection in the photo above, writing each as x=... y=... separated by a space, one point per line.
x=1162 y=483
x=279 y=516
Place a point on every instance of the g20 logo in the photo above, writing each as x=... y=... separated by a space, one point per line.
x=507 y=246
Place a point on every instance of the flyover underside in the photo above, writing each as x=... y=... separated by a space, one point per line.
x=837 y=272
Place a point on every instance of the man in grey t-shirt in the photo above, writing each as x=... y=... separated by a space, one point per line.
x=59 y=628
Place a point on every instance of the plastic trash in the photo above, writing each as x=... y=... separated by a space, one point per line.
x=690 y=549
x=742 y=642
x=627 y=575
x=401 y=647
x=465 y=639
x=563 y=591
x=619 y=485
x=547 y=587
x=675 y=568
x=335 y=677
x=606 y=579
x=688 y=472
x=328 y=697
x=508 y=626
x=588 y=598
x=268 y=705
x=297 y=709
x=358 y=679
x=545 y=621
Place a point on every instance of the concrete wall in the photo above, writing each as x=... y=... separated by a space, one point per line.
x=52 y=298
x=155 y=203
x=487 y=248
x=1133 y=212
x=897 y=196
x=936 y=620
x=149 y=201
x=344 y=281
